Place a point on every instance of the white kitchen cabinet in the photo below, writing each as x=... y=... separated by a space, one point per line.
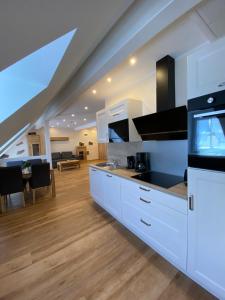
x=96 y=184
x=126 y=109
x=206 y=69
x=206 y=229
x=146 y=213
x=111 y=188
x=102 y=126
x=105 y=189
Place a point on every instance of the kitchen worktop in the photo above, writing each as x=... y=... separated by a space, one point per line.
x=179 y=190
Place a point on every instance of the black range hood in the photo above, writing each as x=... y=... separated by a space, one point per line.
x=169 y=122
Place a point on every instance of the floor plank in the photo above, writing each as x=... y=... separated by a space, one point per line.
x=70 y=248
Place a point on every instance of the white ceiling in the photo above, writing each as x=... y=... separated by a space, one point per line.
x=188 y=32
x=25 y=26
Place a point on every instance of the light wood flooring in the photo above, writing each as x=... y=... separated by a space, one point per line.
x=69 y=248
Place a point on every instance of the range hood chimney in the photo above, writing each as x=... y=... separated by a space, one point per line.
x=169 y=122
x=165 y=84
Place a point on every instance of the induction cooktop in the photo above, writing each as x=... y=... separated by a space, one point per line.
x=161 y=179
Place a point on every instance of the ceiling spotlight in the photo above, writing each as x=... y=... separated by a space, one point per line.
x=133 y=61
x=73 y=115
x=85 y=119
x=75 y=123
x=64 y=120
x=109 y=79
x=94 y=92
x=86 y=108
x=68 y=125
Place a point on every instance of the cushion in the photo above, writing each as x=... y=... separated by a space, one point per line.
x=56 y=155
x=67 y=155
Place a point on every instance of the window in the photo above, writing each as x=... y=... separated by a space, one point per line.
x=28 y=77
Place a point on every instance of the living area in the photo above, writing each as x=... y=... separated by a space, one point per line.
x=69 y=148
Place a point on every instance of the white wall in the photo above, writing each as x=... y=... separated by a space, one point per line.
x=75 y=137
x=166 y=156
x=20 y=145
x=145 y=89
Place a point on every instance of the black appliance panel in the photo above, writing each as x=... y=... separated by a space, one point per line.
x=119 y=131
x=166 y=125
x=143 y=163
x=161 y=179
x=130 y=162
x=206 y=132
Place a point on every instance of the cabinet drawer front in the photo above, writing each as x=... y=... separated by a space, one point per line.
x=162 y=228
x=118 y=113
x=140 y=192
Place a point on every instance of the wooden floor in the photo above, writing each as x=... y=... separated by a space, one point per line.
x=69 y=248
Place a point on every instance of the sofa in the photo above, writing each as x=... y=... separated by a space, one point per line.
x=60 y=156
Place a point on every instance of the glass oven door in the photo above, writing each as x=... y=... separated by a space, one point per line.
x=207 y=139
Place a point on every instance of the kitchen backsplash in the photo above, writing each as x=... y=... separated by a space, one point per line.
x=166 y=156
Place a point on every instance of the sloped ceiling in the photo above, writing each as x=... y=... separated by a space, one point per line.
x=204 y=23
x=27 y=25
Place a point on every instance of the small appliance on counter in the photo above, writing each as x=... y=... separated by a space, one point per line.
x=130 y=162
x=142 y=162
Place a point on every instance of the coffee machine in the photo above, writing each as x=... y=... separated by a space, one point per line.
x=130 y=162
x=142 y=162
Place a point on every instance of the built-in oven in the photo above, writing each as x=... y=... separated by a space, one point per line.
x=206 y=132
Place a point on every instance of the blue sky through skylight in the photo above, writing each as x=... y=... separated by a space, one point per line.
x=28 y=77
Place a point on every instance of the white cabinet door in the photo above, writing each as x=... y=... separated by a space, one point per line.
x=102 y=126
x=96 y=185
x=111 y=185
x=118 y=112
x=206 y=229
x=206 y=70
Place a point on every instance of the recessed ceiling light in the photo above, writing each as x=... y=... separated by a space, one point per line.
x=68 y=125
x=86 y=108
x=85 y=119
x=73 y=115
x=94 y=92
x=75 y=123
x=64 y=120
x=133 y=61
x=109 y=79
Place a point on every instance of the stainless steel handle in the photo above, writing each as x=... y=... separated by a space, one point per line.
x=143 y=200
x=143 y=189
x=211 y=113
x=191 y=202
x=221 y=84
x=116 y=114
x=109 y=175
x=146 y=223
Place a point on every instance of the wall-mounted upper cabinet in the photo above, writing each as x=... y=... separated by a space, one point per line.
x=126 y=109
x=102 y=126
x=206 y=69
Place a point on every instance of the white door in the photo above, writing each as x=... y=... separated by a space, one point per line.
x=96 y=185
x=112 y=194
x=102 y=126
x=206 y=229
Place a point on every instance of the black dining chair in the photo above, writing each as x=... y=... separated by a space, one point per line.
x=11 y=182
x=36 y=161
x=40 y=178
x=15 y=163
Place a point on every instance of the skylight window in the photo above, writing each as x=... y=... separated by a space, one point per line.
x=28 y=77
